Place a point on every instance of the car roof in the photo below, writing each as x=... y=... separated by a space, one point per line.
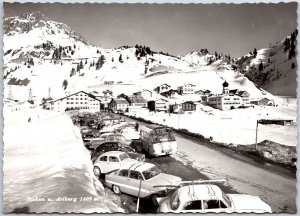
x=140 y=167
x=113 y=153
x=118 y=135
x=199 y=192
x=110 y=142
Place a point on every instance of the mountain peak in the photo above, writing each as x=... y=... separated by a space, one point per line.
x=24 y=23
x=29 y=21
x=33 y=16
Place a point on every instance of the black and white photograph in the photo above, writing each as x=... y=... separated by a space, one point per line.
x=149 y=108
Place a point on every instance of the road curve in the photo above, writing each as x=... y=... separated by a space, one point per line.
x=273 y=184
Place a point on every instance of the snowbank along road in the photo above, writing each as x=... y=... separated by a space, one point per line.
x=273 y=184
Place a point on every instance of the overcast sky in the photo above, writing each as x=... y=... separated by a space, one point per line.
x=174 y=28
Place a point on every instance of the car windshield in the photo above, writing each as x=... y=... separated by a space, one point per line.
x=116 y=138
x=150 y=173
x=124 y=156
x=163 y=134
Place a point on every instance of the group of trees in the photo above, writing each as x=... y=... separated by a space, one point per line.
x=100 y=62
x=65 y=84
x=290 y=44
x=80 y=65
x=60 y=51
x=141 y=51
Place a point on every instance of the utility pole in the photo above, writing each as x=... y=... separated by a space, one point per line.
x=257 y=122
x=138 y=201
x=49 y=93
x=30 y=94
x=10 y=94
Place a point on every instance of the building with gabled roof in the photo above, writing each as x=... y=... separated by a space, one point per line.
x=229 y=99
x=170 y=93
x=78 y=101
x=186 y=89
x=188 y=106
x=137 y=102
x=119 y=104
x=145 y=93
x=158 y=105
x=162 y=88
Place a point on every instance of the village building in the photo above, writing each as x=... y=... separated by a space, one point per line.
x=124 y=96
x=263 y=102
x=203 y=98
x=174 y=108
x=109 y=82
x=119 y=105
x=77 y=101
x=186 y=89
x=162 y=88
x=229 y=99
x=146 y=94
x=137 y=102
x=170 y=93
x=225 y=102
x=245 y=96
x=188 y=106
x=202 y=92
x=158 y=105
x=107 y=94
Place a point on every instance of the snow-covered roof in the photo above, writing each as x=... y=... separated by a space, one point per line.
x=120 y=101
x=138 y=100
x=90 y=95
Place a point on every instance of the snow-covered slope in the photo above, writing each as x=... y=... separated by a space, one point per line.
x=273 y=69
x=40 y=54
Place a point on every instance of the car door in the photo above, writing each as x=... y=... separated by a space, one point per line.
x=134 y=181
x=103 y=162
x=215 y=206
x=113 y=163
x=121 y=180
x=192 y=206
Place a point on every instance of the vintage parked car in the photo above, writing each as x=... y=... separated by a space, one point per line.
x=108 y=137
x=84 y=129
x=117 y=138
x=137 y=145
x=109 y=146
x=205 y=198
x=111 y=161
x=129 y=178
x=129 y=133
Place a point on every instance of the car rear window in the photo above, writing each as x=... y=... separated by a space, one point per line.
x=104 y=158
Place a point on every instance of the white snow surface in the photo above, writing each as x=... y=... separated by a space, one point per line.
x=46 y=159
x=234 y=126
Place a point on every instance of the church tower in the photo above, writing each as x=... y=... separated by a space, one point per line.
x=225 y=88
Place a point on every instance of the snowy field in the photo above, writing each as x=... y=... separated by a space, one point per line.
x=234 y=126
x=46 y=167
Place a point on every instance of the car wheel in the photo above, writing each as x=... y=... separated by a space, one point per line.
x=97 y=171
x=116 y=189
x=153 y=198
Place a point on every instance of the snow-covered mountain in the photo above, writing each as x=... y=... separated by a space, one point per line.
x=40 y=54
x=273 y=69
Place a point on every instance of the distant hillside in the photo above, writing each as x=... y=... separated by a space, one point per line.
x=42 y=54
x=273 y=69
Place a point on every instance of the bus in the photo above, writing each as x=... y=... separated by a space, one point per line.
x=158 y=140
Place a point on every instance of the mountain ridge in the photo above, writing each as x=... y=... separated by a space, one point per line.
x=67 y=63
